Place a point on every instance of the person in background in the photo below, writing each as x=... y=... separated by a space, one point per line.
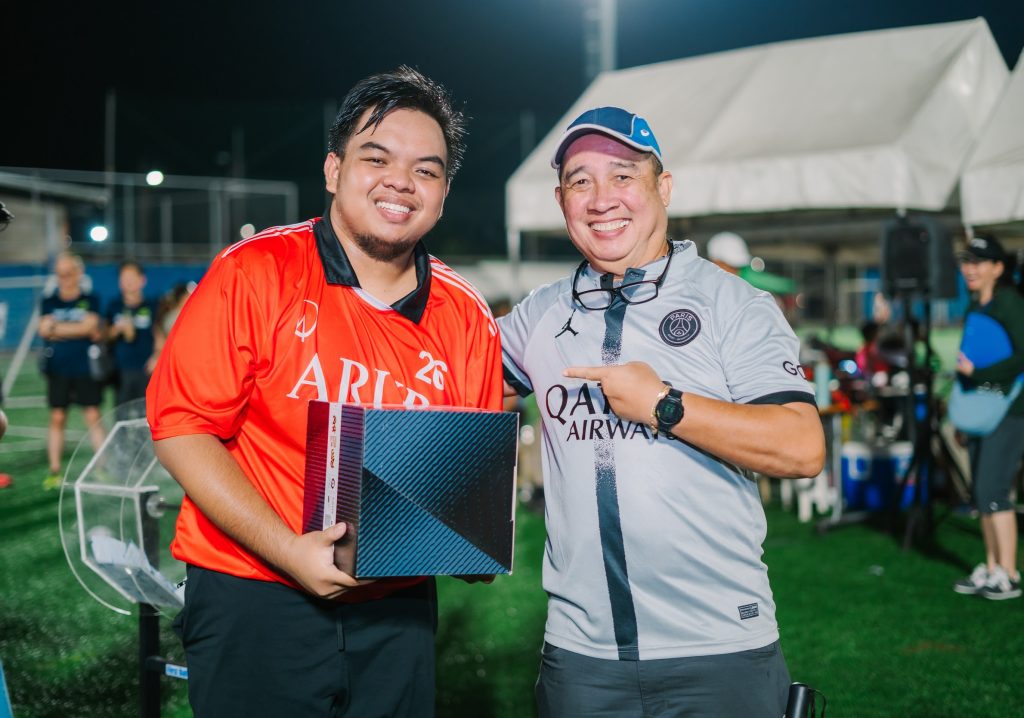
x=131 y=319
x=868 y=358
x=988 y=271
x=168 y=309
x=729 y=251
x=662 y=382
x=5 y=479
x=69 y=320
x=171 y=305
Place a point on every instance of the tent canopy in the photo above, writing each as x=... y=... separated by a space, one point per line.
x=992 y=186
x=882 y=119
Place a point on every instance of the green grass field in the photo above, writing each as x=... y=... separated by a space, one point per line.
x=877 y=629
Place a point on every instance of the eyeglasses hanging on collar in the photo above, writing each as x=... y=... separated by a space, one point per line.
x=630 y=292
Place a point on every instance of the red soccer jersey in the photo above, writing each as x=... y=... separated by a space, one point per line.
x=278 y=320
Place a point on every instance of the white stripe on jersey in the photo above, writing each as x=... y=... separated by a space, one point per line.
x=449 y=276
x=267 y=233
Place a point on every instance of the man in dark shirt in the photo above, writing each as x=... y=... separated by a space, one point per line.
x=130 y=320
x=69 y=320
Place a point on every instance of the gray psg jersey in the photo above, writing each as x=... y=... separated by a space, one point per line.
x=654 y=547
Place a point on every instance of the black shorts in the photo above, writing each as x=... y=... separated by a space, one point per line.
x=258 y=649
x=745 y=684
x=133 y=385
x=994 y=462
x=63 y=390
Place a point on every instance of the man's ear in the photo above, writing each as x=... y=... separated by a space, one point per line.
x=447 y=188
x=665 y=187
x=558 y=195
x=331 y=168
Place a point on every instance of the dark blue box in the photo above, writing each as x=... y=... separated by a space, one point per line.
x=425 y=491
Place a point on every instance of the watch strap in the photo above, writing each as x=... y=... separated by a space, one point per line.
x=654 y=409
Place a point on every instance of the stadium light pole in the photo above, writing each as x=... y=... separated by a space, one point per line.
x=600 y=31
x=109 y=155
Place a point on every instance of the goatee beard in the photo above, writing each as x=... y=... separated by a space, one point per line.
x=382 y=251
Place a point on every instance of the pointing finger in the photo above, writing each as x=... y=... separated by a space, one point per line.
x=583 y=372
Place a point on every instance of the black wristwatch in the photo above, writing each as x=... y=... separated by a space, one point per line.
x=668 y=411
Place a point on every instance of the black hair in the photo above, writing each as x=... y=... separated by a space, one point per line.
x=171 y=298
x=404 y=88
x=179 y=290
x=134 y=264
x=1009 y=260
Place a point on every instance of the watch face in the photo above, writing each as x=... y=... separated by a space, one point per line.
x=670 y=411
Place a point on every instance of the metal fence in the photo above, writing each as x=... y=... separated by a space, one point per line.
x=149 y=217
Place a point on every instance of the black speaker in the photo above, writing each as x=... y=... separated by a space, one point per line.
x=917 y=258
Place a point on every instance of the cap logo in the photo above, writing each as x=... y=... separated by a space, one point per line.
x=645 y=133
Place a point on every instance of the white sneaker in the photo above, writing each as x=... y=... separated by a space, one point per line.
x=1000 y=586
x=973 y=584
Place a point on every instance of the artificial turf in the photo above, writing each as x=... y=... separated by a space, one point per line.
x=877 y=629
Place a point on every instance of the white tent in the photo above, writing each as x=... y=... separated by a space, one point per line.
x=992 y=185
x=881 y=119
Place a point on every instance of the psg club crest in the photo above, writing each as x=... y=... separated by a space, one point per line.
x=680 y=327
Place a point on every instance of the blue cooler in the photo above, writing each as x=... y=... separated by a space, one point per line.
x=870 y=475
x=856 y=472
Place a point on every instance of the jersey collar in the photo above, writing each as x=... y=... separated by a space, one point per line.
x=338 y=270
x=684 y=252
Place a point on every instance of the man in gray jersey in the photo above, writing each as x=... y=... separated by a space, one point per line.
x=662 y=382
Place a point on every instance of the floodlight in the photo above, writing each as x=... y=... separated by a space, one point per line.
x=154 y=177
x=99 y=233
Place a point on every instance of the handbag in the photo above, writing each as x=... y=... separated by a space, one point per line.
x=977 y=412
x=101 y=364
x=45 y=360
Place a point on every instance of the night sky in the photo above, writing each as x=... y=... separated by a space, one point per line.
x=190 y=75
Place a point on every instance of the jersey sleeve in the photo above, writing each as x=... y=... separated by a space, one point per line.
x=206 y=371
x=484 y=388
x=515 y=336
x=760 y=355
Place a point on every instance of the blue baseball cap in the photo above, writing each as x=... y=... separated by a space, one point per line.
x=626 y=127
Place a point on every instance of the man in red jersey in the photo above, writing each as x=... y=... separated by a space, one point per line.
x=349 y=307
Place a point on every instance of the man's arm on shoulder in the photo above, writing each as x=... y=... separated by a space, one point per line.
x=214 y=481
x=782 y=440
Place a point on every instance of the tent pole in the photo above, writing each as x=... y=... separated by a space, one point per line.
x=514 y=243
x=831 y=288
